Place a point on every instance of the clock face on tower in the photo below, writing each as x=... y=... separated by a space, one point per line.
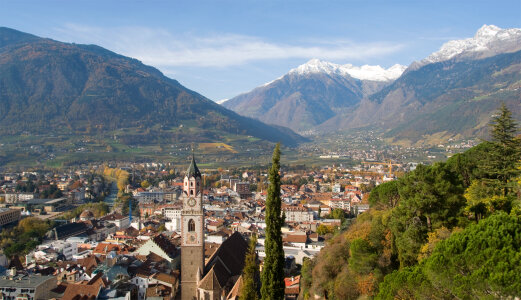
x=191 y=238
x=191 y=202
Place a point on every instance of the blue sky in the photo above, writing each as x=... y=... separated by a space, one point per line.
x=223 y=48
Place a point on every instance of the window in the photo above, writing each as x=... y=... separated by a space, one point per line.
x=191 y=225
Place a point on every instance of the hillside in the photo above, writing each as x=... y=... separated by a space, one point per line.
x=311 y=94
x=445 y=231
x=439 y=101
x=49 y=86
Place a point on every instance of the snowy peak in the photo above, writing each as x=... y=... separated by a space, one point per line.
x=489 y=40
x=375 y=73
x=365 y=72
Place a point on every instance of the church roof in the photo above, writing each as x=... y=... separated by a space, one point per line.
x=231 y=253
x=193 y=170
x=215 y=279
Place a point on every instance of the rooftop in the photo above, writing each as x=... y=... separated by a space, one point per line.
x=24 y=281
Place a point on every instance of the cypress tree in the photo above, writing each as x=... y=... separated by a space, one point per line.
x=250 y=274
x=272 y=276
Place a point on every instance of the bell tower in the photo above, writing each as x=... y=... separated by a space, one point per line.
x=192 y=233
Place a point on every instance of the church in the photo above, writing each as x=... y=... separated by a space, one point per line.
x=218 y=278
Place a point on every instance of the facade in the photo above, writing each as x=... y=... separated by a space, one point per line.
x=298 y=214
x=67 y=249
x=27 y=287
x=8 y=216
x=344 y=204
x=17 y=197
x=192 y=233
x=121 y=221
x=150 y=196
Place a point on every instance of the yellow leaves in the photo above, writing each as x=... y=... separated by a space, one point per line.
x=33 y=224
x=433 y=239
x=145 y=184
x=118 y=175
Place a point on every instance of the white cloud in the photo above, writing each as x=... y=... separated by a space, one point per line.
x=162 y=49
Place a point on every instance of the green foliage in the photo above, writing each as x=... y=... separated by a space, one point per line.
x=324 y=229
x=25 y=237
x=250 y=273
x=306 y=278
x=408 y=283
x=385 y=195
x=52 y=192
x=502 y=163
x=338 y=213
x=481 y=262
x=363 y=256
x=99 y=209
x=273 y=272
x=431 y=197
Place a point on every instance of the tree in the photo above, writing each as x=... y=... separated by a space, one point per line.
x=502 y=164
x=385 y=195
x=250 y=273
x=145 y=184
x=273 y=273
x=492 y=268
x=430 y=197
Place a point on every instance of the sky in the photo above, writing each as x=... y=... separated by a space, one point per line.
x=221 y=49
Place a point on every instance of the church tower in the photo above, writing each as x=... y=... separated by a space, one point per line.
x=192 y=233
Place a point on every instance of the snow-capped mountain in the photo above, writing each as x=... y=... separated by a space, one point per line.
x=312 y=93
x=489 y=40
x=365 y=72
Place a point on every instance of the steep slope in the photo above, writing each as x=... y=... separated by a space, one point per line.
x=452 y=97
x=312 y=93
x=47 y=85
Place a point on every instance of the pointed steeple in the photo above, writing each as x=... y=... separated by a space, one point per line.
x=193 y=170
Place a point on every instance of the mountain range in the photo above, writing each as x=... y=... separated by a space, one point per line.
x=450 y=94
x=48 y=86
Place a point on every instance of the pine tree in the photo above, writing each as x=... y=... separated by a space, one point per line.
x=273 y=272
x=503 y=161
x=250 y=274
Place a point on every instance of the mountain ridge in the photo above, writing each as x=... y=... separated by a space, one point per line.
x=49 y=85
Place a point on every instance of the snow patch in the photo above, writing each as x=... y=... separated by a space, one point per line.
x=365 y=72
x=487 y=38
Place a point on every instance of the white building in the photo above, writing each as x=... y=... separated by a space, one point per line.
x=344 y=204
x=17 y=197
x=68 y=249
x=149 y=196
x=298 y=214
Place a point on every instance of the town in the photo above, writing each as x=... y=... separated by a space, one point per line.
x=116 y=231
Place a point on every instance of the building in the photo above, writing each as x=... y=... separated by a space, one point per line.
x=344 y=204
x=30 y=286
x=223 y=268
x=8 y=216
x=149 y=196
x=122 y=222
x=161 y=246
x=192 y=232
x=243 y=189
x=298 y=214
x=67 y=249
x=67 y=230
x=17 y=197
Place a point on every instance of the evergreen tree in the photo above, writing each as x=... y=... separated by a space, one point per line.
x=502 y=164
x=250 y=274
x=273 y=272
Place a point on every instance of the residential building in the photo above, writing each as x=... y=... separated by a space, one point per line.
x=9 y=216
x=30 y=286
